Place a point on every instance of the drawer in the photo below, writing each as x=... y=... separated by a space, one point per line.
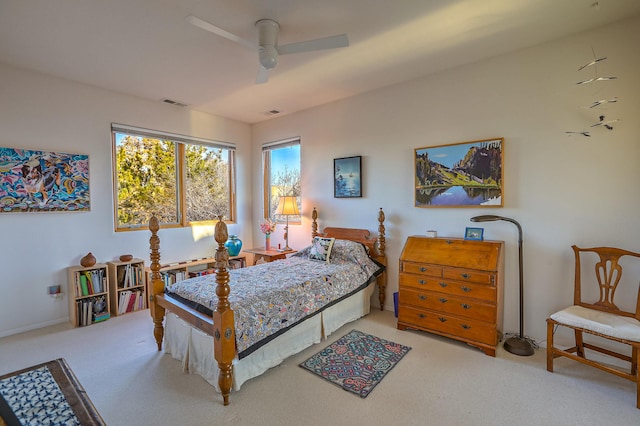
x=419 y=281
x=440 y=302
x=470 y=275
x=421 y=269
x=459 y=288
x=449 y=325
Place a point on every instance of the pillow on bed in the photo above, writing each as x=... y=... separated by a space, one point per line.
x=321 y=249
x=348 y=251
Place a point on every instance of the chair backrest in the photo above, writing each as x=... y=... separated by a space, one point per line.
x=608 y=272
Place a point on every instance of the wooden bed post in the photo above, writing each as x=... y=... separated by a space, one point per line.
x=314 y=224
x=157 y=285
x=224 y=340
x=382 y=280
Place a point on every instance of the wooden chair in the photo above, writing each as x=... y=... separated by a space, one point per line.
x=600 y=318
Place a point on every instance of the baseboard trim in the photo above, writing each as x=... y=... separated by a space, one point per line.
x=30 y=327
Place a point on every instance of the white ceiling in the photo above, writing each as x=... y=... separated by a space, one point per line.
x=147 y=49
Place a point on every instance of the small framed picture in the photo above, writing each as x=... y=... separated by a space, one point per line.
x=473 y=234
x=347 y=179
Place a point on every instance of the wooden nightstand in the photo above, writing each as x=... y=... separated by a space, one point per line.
x=261 y=255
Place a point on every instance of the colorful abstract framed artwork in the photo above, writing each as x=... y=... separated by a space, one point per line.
x=347 y=177
x=466 y=174
x=41 y=181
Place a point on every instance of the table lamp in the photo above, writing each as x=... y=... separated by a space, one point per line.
x=287 y=205
x=518 y=345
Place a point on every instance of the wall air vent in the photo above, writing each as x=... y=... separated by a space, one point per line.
x=176 y=103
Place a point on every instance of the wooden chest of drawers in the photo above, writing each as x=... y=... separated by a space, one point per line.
x=453 y=287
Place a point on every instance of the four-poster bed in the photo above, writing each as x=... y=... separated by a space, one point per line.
x=236 y=361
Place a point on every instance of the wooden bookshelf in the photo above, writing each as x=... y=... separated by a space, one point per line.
x=88 y=289
x=128 y=286
x=178 y=271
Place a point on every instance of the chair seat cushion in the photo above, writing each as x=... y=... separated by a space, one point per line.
x=600 y=322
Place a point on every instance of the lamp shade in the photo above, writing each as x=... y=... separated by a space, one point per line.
x=486 y=218
x=287 y=205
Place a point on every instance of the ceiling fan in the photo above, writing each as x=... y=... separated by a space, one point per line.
x=267 y=46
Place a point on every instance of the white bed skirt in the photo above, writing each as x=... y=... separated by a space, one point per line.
x=195 y=349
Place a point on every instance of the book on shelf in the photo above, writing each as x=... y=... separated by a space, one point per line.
x=84 y=289
x=202 y=272
x=132 y=301
x=102 y=316
x=236 y=263
x=120 y=272
x=90 y=279
x=123 y=299
x=172 y=277
x=84 y=310
x=90 y=282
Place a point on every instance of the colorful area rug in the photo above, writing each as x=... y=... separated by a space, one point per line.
x=45 y=394
x=356 y=362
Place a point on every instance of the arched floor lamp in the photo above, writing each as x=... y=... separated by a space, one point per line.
x=518 y=345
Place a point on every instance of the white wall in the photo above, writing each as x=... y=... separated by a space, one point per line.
x=44 y=113
x=564 y=190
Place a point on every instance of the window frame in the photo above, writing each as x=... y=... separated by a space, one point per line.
x=266 y=176
x=180 y=142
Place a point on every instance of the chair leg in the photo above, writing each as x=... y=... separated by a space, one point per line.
x=634 y=370
x=579 y=343
x=550 y=346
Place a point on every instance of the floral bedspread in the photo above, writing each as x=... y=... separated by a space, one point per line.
x=270 y=297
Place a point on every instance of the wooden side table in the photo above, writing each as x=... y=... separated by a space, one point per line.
x=261 y=255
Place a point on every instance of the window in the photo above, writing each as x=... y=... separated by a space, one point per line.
x=178 y=178
x=281 y=163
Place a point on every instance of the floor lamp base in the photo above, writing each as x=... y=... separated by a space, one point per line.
x=519 y=346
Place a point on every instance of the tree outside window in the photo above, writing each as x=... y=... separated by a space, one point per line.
x=178 y=182
x=282 y=176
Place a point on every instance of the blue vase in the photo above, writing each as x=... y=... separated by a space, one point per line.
x=233 y=245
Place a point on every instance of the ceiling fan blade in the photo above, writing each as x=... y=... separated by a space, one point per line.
x=263 y=75
x=331 y=42
x=193 y=20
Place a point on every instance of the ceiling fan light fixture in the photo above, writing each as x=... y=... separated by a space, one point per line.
x=267 y=47
x=268 y=56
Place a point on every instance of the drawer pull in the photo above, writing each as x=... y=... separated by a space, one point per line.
x=449 y=242
x=465 y=326
x=443 y=300
x=442 y=319
x=443 y=284
x=422 y=269
x=465 y=306
x=422 y=297
x=421 y=282
x=421 y=315
x=465 y=276
x=465 y=289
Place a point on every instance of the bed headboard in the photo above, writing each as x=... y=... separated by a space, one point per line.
x=376 y=246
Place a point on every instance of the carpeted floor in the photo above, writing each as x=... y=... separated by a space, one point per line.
x=440 y=382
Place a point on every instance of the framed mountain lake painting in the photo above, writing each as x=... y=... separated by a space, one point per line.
x=466 y=174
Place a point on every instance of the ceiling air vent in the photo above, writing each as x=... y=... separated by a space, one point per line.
x=176 y=103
